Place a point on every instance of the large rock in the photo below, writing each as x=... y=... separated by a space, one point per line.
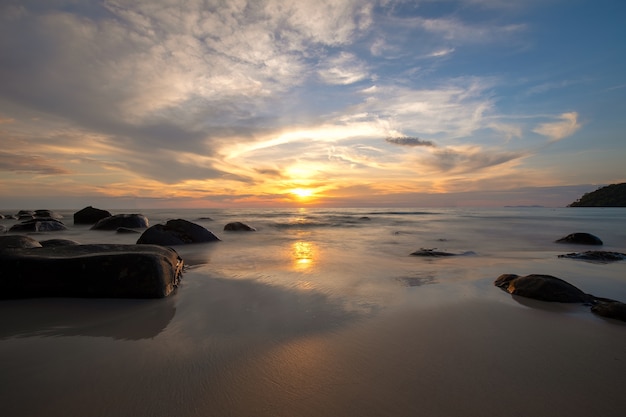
x=90 y=215
x=133 y=221
x=176 y=232
x=542 y=287
x=39 y=224
x=18 y=241
x=580 y=239
x=108 y=270
x=239 y=227
x=596 y=256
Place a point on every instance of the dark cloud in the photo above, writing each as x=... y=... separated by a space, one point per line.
x=29 y=164
x=410 y=141
x=449 y=160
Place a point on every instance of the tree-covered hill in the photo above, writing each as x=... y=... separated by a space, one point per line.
x=613 y=195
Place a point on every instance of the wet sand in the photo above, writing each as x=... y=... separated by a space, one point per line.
x=224 y=347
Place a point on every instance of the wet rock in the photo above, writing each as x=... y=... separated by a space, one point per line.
x=102 y=271
x=176 y=232
x=90 y=215
x=239 y=227
x=610 y=309
x=126 y=230
x=596 y=255
x=434 y=253
x=39 y=224
x=542 y=287
x=580 y=239
x=132 y=221
x=46 y=214
x=18 y=241
x=58 y=242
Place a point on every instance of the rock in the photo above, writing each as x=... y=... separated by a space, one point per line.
x=435 y=253
x=581 y=239
x=18 y=241
x=610 y=309
x=47 y=213
x=90 y=215
x=176 y=232
x=133 y=221
x=3 y=229
x=39 y=224
x=126 y=230
x=542 y=287
x=239 y=227
x=111 y=271
x=596 y=255
x=58 y=242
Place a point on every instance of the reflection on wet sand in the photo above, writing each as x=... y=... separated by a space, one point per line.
x=303 y=254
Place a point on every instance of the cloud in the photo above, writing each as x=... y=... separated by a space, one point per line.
x=409 y=141
x=29 y=164
x=566 y=126
x=470 y=160
x=342 y=69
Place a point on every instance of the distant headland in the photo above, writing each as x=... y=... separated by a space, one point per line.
x=613 y=195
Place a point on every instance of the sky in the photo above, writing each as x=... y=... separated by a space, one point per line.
x=310 y=103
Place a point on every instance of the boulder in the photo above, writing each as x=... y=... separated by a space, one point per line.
x=176 y=232
x=596 y=255
x=580 y=239
x=18 y=241
x=39 y=224
x=133 y=221
x=542 y=287
x=239 y=227
x=47 y=213
x=610 y=309
x=100 y=271
x=90 y=215
x=58 y=242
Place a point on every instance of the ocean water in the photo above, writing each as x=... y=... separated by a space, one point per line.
x=325 y=312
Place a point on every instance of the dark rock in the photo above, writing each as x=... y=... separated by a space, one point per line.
x=126 y=230
x=580 y=239
x=206 y=218
x=133 y=221
x=58 y=242
x=18 y=241
x=238 y=227
x=111 y=271
x=542 y=287
x=39 y=224
x=47 y=213
x=25 y=213
x=176 y=232
x=90 y=215
x=436 y=254
x=3 y=229
x=596 y=255
x=610 y=309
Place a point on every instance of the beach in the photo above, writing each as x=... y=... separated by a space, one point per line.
x=324 y=312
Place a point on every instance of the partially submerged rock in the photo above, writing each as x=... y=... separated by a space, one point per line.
x=58 y=242
x=596 y=255
x=176 y=232
x=581 y=239
x=39 y=224
x=541 y=287
x=100 y=271
x=18 y=241
x=133 y=221
x=239 y=227
x=549 y=288
x=426 y=252
x=90 y=215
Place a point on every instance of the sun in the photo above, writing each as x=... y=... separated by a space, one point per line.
x=302 y=192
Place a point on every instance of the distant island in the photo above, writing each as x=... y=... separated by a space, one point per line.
x=613 y=195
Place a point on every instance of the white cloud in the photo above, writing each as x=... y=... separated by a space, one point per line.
x=566 y=126
x=342 y=69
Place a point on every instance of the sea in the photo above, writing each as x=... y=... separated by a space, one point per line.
x=273 y=321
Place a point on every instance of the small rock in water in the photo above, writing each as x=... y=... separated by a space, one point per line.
x=596 y=255
x=238 y=227
x=541 y=287
x=581 y=239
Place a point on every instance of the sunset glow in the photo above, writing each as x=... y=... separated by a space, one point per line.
x=333 y=103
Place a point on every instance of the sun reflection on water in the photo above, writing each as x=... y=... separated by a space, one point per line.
x=303 y=255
